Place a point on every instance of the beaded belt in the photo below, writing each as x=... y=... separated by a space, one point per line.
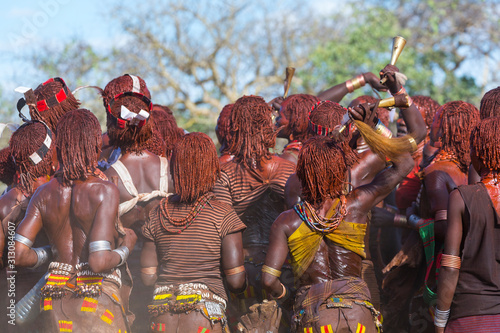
x=88 y=283
x=188 y=297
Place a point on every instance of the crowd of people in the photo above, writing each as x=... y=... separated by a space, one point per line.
x=353 y=227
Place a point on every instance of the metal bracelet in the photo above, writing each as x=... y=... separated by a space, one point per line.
x=271 y=271
x=101 y=245
x=123 y=252
x=441 y=317
x=23 y=240
x=414 y=220
x=382 y=130
x=42 y=254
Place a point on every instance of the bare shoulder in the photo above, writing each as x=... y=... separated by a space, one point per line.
x=287 y=222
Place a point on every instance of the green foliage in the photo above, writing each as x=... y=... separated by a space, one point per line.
x=432 y=56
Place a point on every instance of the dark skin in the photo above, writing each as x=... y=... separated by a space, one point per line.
x=72 y=217
x=358 y=203
x=457 y=226
x=440 y=179
x=336 y=93
x=370 y=164
x=144 y=169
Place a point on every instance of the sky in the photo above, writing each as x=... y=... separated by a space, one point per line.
x=26 y=24
x=29 y=23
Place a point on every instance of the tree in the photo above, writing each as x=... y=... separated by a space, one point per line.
x=442 y=38
x=198 y=56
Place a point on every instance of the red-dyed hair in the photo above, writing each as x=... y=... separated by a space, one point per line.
x=490 y=104
x=52 y=115
x=7 y=167
x=223 y=127
x=79 y=141
x=457 y=122
x=252 y=131
x=26 y=140
x=195 y=166
x=296 y=108
x=485 y=143
x=321 y=169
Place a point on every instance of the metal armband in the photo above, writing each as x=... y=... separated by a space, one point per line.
x=23 y=240
x=101 y=245
x=123 y=252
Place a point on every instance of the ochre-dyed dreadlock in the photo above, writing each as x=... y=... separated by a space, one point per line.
x=223 y=127
x=164 y=122
x=52 y=115
x=195 y=166
x=120 y=85
x=78 y=145
x=330 y=114
x=485 y=144
x=155 y=144
x=321 y=169
x=26 y=140
x=296 y=109
x=7 y=167
x=427 y=107
x=457 y=122
x=382 y=113
x=252 y=131
x=490 y=104
x=130 y=138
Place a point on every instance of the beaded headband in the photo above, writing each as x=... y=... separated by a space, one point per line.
x=138 y=119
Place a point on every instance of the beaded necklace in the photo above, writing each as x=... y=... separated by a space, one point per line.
x=445 y=156
x=318 y=223
x=186 y=221
x=294 y=145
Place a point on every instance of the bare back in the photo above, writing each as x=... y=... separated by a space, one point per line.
x=71 y=214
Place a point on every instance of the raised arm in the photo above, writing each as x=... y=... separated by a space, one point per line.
x=337 y=92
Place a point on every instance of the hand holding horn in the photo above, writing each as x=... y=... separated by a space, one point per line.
x=398 y=44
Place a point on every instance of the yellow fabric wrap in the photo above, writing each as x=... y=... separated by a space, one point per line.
x=304 y=243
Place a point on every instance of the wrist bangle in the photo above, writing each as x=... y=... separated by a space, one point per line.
x=358 y=81
x=413 y=144
x=448 y=260
x=283 y=293
x=123 y=252
x=349 y=86
x=271 y=271
x=400 y=92
x=42 y=254
x=400 y=220
x=441 y=317
x=382 y=130
x=414 y=220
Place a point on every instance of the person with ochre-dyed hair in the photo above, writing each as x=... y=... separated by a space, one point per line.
x=78 y=212
x=468 y=294
x=192 y=241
